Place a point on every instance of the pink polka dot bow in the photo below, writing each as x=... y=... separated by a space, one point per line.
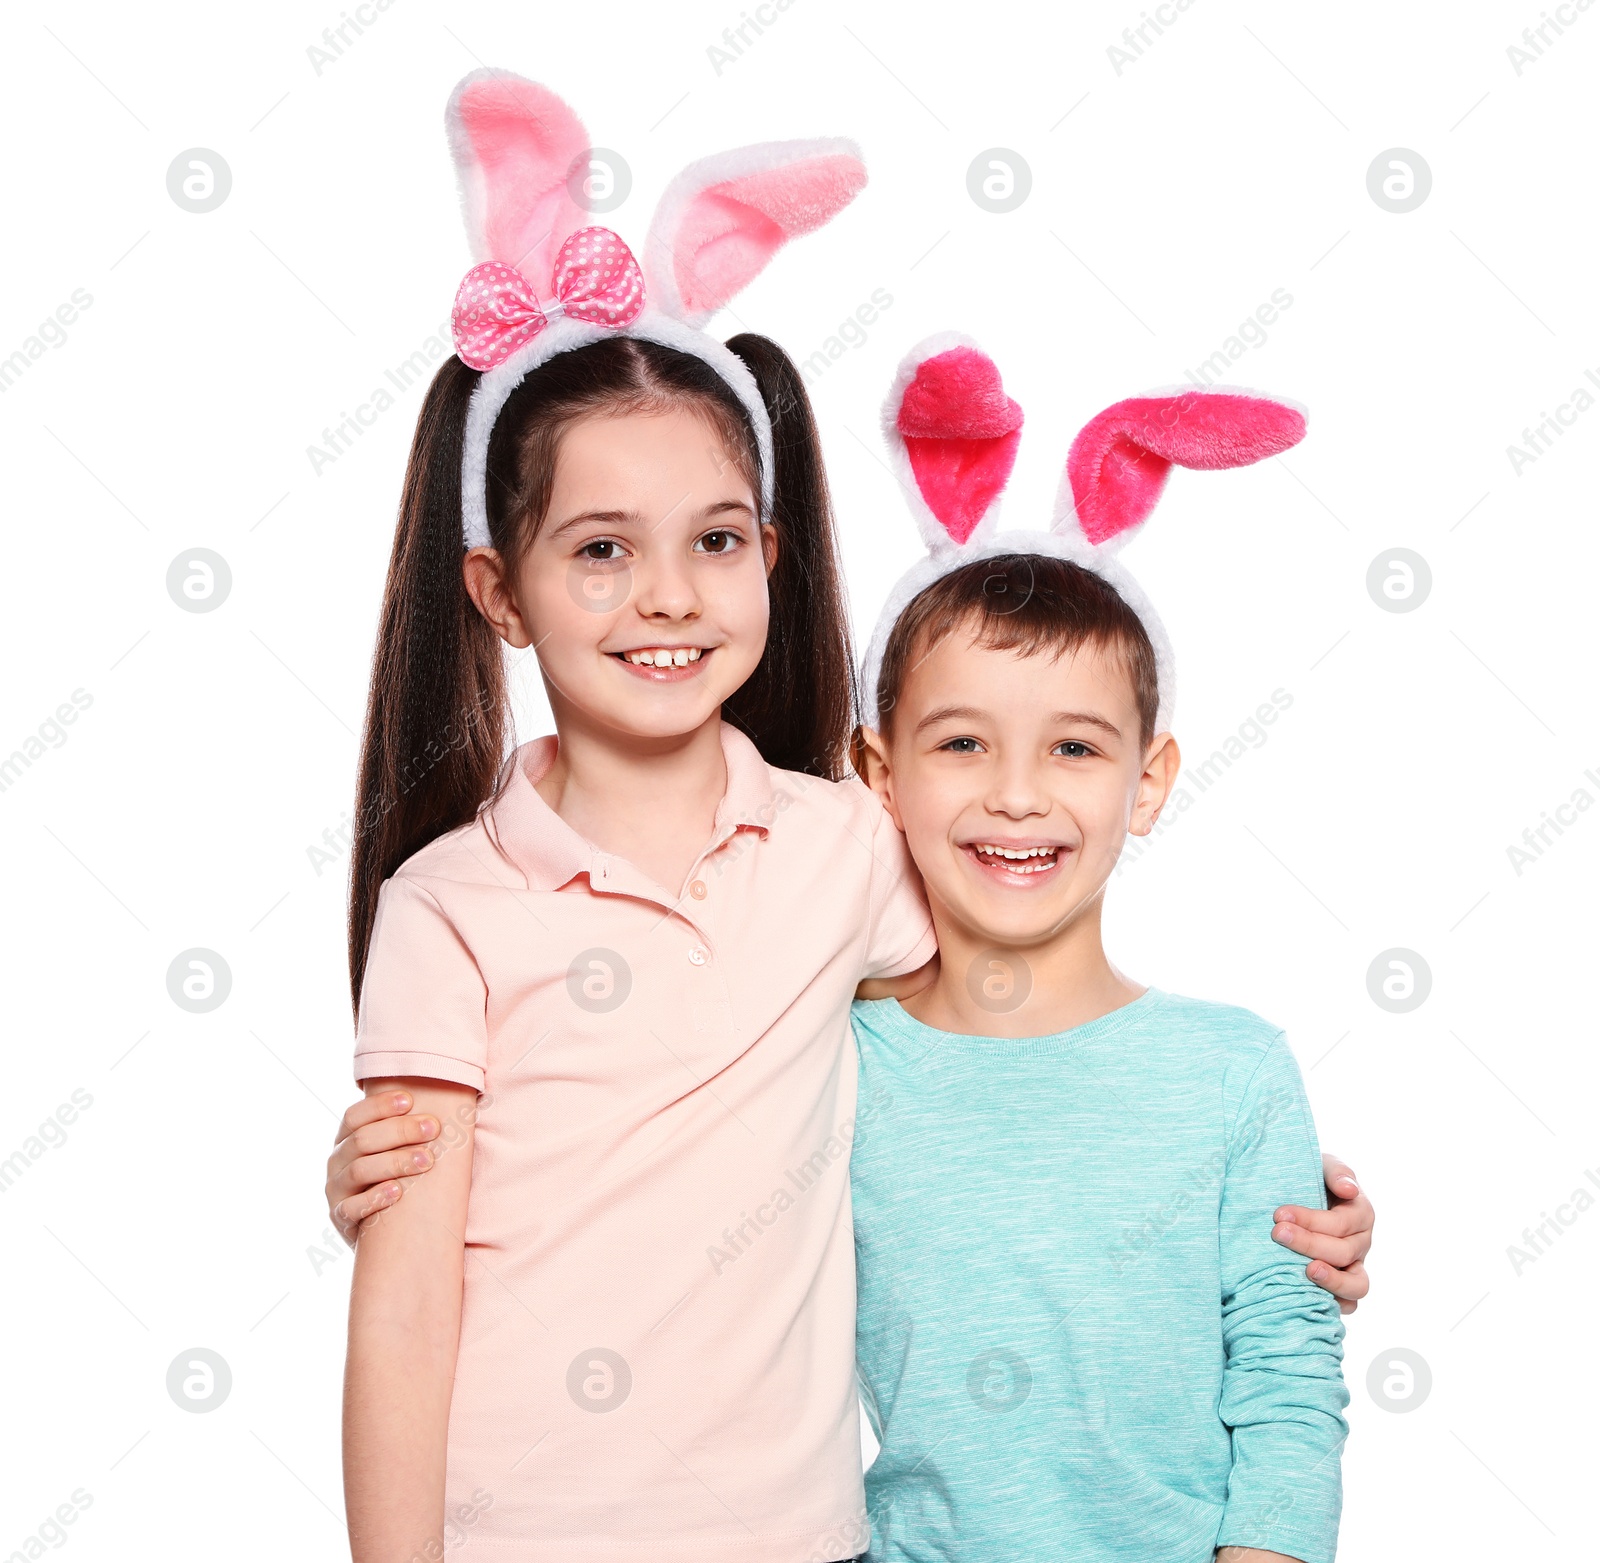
x=496 y=310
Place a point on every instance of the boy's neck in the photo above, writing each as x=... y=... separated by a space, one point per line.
x=985 y=989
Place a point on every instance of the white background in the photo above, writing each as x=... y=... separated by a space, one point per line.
x=1168 y=201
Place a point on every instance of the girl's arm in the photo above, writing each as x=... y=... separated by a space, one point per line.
x=405 y=1321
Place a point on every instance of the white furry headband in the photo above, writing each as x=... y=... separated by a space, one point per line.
x=546 y=282
x=953 y=435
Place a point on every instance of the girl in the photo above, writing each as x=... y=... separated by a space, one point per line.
x=619 y=1321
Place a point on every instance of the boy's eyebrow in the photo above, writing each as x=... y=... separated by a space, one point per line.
x=633 y=518
x=951 y=714
x=973 y=714
x=1089 y=719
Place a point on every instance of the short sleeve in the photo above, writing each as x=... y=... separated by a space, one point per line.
x=900 y=934
x=423 y=1007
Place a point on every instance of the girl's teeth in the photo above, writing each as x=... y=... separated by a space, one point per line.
x=674 y=657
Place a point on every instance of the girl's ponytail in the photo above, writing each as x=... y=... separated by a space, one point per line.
x=798 y=707
x=436 y=713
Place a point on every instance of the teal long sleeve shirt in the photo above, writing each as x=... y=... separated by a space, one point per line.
x=1076 y=1339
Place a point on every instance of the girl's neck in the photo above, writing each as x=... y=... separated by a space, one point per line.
x=1066 y=979
x=651 y=801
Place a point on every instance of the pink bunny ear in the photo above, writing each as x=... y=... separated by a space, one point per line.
x=955 y=431
x=722 y=219
x=1119 y=462
x=516 y=146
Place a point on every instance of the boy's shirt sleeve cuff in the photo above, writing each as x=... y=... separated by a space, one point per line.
x=1277 y=1533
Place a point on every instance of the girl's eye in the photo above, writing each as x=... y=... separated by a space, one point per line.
x=1073 y=749
x=602 y=550
x=718 y=542
x=962 y=746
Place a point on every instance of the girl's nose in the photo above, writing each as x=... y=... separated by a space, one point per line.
x=666 y=591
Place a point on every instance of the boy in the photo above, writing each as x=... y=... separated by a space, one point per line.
x=1076 y=1337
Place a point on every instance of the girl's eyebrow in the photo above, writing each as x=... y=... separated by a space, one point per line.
x=633 y=518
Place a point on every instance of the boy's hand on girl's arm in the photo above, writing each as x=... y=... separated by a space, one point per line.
x=1335 y=1240
x=380 y=1141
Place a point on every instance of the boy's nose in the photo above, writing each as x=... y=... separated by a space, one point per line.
x=1018 y=793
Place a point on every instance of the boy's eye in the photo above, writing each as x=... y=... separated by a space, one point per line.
x=962 y=746
x=718 y=542
x=1073 y=749
x=602 y=550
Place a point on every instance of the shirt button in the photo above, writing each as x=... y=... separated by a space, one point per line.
x=698 y=890
x=698 y=956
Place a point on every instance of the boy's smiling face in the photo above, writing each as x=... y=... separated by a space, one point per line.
x=1015 y=777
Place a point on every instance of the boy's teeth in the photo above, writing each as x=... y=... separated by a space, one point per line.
x=1021 y=860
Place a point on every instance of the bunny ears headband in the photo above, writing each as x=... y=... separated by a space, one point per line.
x=953 y=433
x=547 y=281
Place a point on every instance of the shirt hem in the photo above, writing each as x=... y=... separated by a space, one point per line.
x=428 y=1066
x=1269 y=1538
x=828 y=1545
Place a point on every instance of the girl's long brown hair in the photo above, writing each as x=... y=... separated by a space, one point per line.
x=438 y=720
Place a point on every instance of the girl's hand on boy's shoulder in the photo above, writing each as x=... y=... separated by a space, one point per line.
x=380 y=1140
x=1335 y=1240
x=901 y=987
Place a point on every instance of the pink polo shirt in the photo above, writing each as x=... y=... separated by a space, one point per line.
x=657 y=1351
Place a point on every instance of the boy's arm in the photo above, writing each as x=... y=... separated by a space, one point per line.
x=1282 y=1390
x=405 y=1322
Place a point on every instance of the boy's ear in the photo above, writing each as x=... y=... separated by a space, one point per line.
x=870 y=754
x=1160 y=776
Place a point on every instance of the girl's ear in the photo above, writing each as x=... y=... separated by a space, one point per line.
x=1119 y=462
x=723 y=218
x=518 y=151
x=953 y=432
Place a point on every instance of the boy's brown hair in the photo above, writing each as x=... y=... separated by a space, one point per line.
x=1026 y=603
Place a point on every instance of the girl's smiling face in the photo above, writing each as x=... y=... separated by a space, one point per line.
x=644 y=591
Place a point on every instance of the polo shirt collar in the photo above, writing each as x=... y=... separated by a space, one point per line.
x=550 y=853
